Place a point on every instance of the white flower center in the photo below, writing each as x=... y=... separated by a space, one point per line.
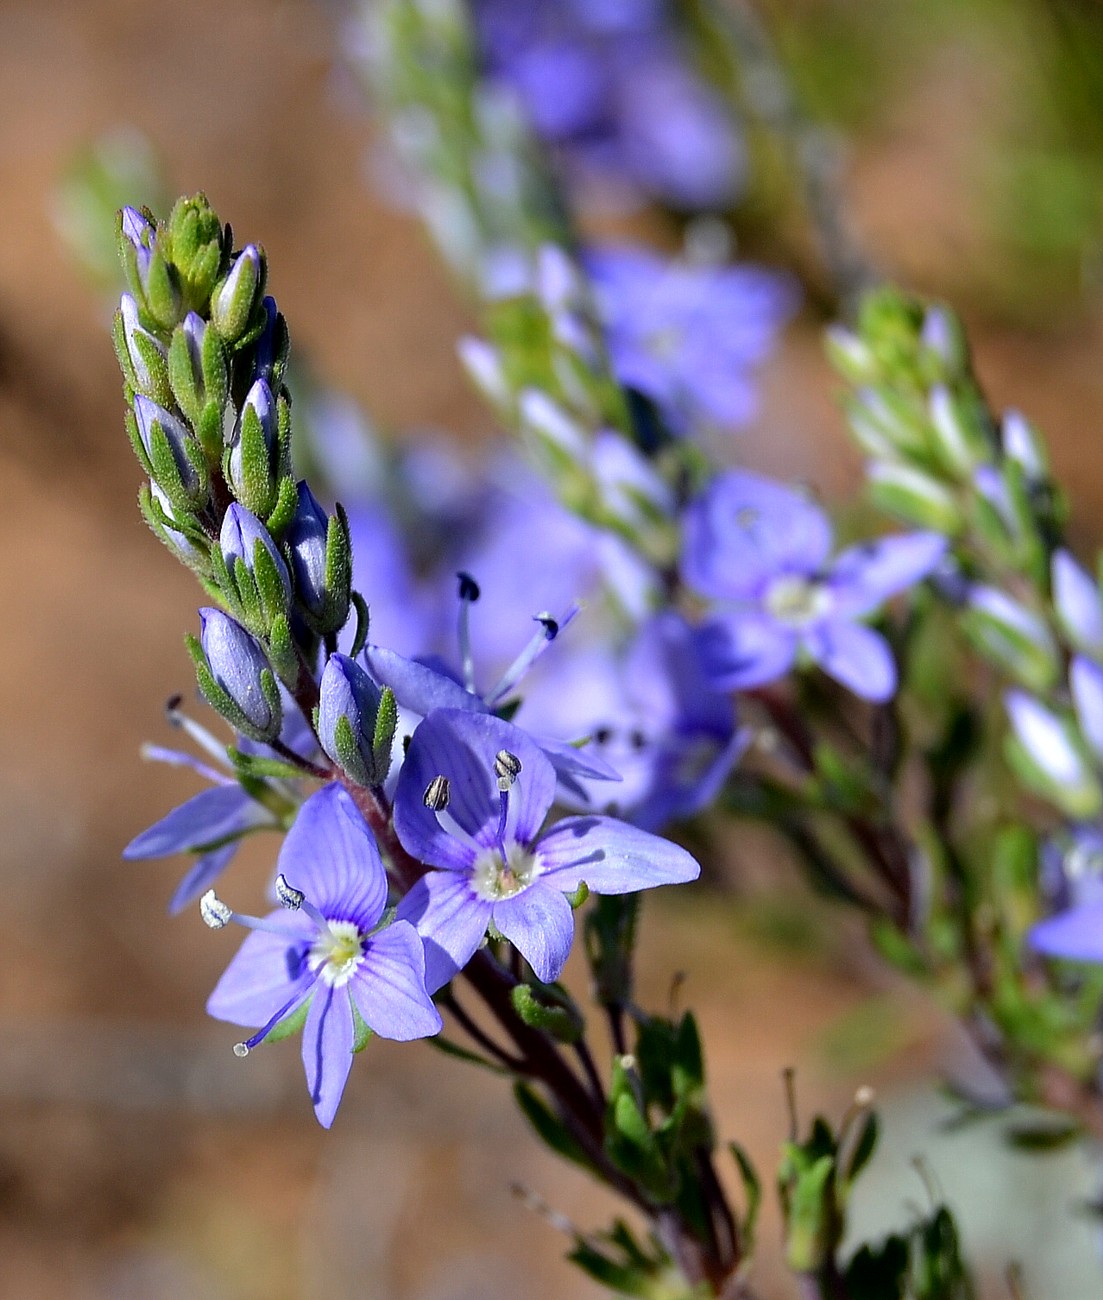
x=336 y=952
x=493 y=878
x=797 y=601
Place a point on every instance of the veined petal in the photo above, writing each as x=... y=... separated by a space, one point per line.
x=451 y=920
x=863 y=577
x=331 y=855
x=417 y=686
x=611 y=856
x=462 y=747
x=389 y=986
x=328 y=1036
x=741 y=651
x=856 y=656
x=574 y=761
x=540 y=925
x=1076 y=935
x=206 y=819
x=267 y=971
x=202 y=876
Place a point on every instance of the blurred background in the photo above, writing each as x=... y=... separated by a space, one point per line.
x=138 y=1157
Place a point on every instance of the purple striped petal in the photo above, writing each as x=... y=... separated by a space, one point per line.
x=328 y=1036
x=451 y=920
x=417 y=686
x=611 y=856
x=267 y=972
x=202 y=876
x=331 y=855
x=462 y=747
x=389 y=986
x=540 y=925
x=205 y=820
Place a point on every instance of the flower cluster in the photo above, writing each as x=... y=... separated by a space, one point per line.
x=467 y=850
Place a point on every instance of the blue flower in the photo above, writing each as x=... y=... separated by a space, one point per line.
x=471 y=800
x=762 y=551
x=689 y=338
x=328 y=950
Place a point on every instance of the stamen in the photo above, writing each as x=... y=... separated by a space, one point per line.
x=506 y=768
x=437 y=794
x=469 y=593
x=243 y=1049
x=216 y=914
x=549 y=630
x=200 y=735
x=214 y=911
x=287 y=896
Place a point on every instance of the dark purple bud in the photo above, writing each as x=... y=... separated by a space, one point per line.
x=241 y=531
x=238 y=665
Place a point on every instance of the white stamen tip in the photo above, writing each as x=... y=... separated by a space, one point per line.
x=437 y=794
x=214 y=911
x=287 y=895
x=241 y=1049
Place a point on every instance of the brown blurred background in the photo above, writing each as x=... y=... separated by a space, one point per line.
x=138 y=1157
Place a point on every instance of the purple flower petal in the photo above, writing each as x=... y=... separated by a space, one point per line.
x=856 y=656
x=611 y=856
x=328 y=1036
x=863 y=577
x=1076 y=935
x=462 y=747
x=540 y=925
x=389 y=986
x=203 y=822
x=744 y=530
x=202 y=876
x=267 y=971
x=331 y=855
x=574 y=761
x=451 y=920
x=741 y=651
x=179 y=758
x=418 y=687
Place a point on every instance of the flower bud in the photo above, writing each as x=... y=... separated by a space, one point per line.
x=1022 y=444
x=195 y=239
x=321 y=561
x=239 y=682
x=152 y=281
x=254 y=458
x=197 y=373
x=1049 y=757
x=272 y=347
x=176 y=540
x=913 y=496
x=141 y=355
x=174 y=456
x=356 y=721
x=234 y=300
x=254 y=566
x=1076 y=599
x=1011 y=636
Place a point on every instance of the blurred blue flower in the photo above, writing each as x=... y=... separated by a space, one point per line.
x=762 y=552
x=612 y=86
x=689 y=338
